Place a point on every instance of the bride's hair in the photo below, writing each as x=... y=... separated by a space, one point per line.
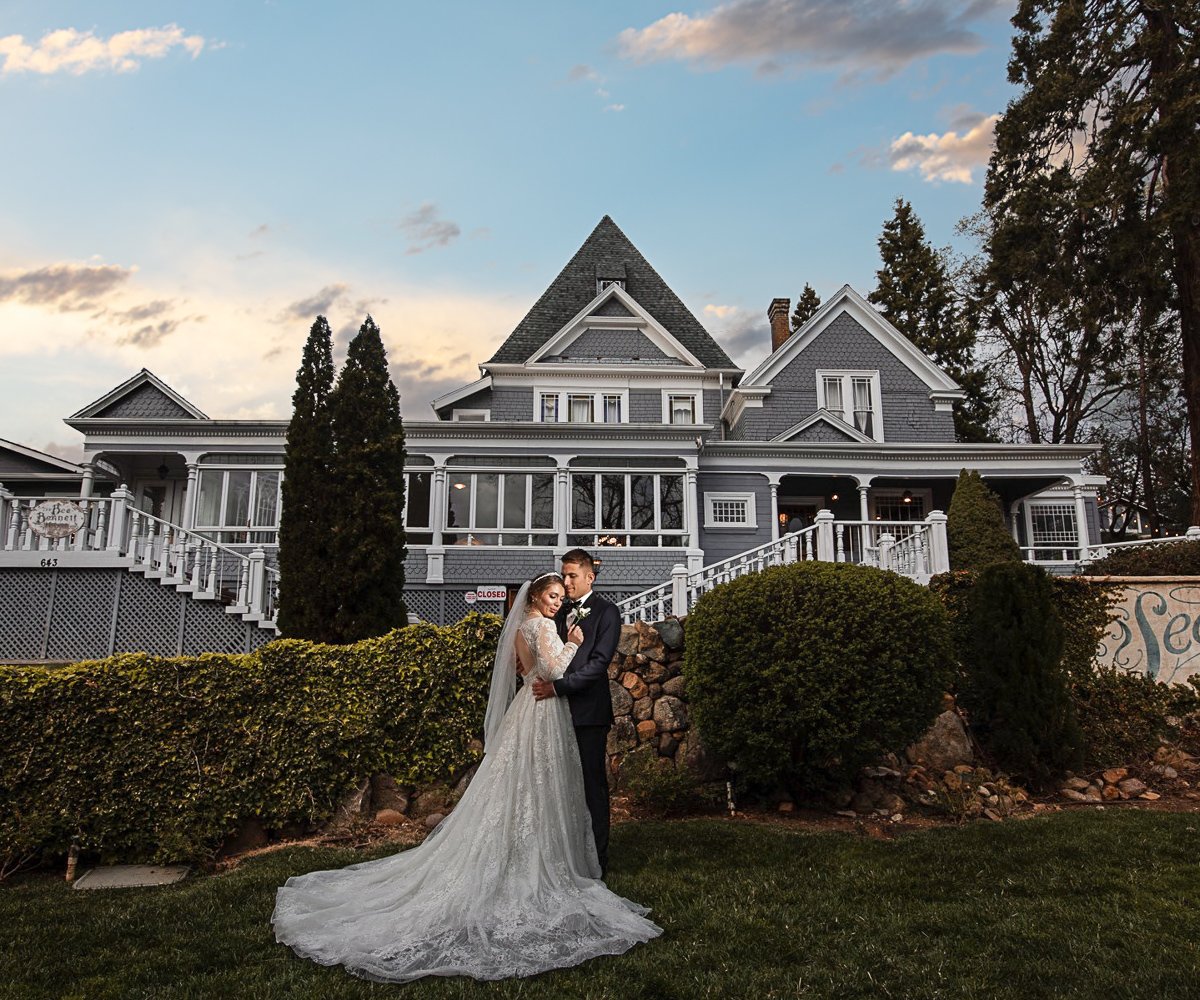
x=539 y=585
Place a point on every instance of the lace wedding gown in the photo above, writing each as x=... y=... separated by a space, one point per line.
x=506 y=885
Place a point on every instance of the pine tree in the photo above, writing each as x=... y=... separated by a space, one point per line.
x=806 y=307
x=916 y=295
x=366 y=568
x=305 y=522
x=975 y=530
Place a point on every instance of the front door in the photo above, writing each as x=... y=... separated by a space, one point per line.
x=797 y=514
x=161 y=498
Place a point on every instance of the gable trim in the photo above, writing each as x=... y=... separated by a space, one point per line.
x=462 y=392
x=144 y=377
x=41 y=456
x=655 y=332
x=825 y=417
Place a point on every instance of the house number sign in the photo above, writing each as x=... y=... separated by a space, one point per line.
x=56 y=519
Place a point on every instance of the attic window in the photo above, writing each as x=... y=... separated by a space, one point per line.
x=603 y=283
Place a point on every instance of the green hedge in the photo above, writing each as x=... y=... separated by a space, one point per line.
x=1162 y=559
x=800 y=674
x=147 y=758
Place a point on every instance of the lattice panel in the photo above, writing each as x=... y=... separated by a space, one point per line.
x=208 y=629
x=456 y=607
x=260 y=636
x=148 y=619
x=81 y=621
x=24 y=599
x=425 y=604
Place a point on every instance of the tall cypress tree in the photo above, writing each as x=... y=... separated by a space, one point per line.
x=368 y=544
x=305 y=523
x=915 y=294
x=806 y=306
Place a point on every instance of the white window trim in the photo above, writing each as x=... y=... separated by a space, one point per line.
x=846 y=375
x=891 y=493
x=458 y=414
x=751 y=520
x=697 y=405
x=1066 y=505
x=472 y=528
x=563 y=396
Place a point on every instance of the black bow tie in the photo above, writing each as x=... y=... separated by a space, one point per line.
x=570 y=605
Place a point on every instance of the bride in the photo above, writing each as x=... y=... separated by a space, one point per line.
x=508 y=884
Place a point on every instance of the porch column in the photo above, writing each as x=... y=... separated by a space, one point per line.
x=1014 y=521
x=691 y=500
x=88 y=482
x=435 y=555
x=1081 y=527
x=864 y=510
x=562 y=503
x=773 y=482
x=189 y=496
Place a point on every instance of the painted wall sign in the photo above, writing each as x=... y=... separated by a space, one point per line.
x=56 y=519
x=491 y=592
x=1156 y=631
x=470 y=597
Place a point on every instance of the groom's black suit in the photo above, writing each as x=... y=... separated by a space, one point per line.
x=585 y=686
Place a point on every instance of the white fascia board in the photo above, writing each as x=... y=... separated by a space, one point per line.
x=644 y=376
x=826 y=417
x=462 y=392
x=654 y=330
x=740 y=399
x=141 y=378
x=40 y=456
x=846 y=299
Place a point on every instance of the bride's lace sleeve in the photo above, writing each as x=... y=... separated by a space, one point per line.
x=551 y=653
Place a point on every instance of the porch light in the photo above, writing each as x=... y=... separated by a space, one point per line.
x=833 y=497
x=460 y=486
x=162 y=471
x=906 y=496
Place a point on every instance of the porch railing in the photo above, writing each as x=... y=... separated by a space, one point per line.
x=177 y=556
x=916 y=549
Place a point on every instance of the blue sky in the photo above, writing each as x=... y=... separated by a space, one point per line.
x=187 y=184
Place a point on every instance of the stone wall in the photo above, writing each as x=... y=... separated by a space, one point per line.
x=1155 y=629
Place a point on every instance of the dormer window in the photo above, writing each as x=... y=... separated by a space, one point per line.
x=576 y=406
x=603 y=283
x=853 y=396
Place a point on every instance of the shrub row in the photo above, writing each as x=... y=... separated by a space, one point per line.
x=159 y=759
x=1164 y=559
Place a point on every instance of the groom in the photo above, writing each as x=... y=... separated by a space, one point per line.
x=585 y=683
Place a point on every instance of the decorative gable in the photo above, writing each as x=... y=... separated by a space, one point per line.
x=823 y=426
x=143 y=397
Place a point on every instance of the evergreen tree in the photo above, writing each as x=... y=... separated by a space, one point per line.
x=916 y=295
x=975 y=530
x=806 y=306
x=305 y=523
x=366 y=568
x=1109 y=95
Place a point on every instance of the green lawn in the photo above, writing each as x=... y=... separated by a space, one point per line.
x=1081 y=904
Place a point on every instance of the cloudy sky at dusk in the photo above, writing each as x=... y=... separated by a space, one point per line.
x=186 y=185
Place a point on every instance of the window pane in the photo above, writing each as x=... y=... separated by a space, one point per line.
x=266 y=499
x=641 y=503
x=1053 y=523
x=581 y=409
x=543 y=501
x=487 y=496
x=208 y=504
x=833 y=395
x=612 y=409
x=550 y=409
x=514 y=500
x=416 y=506
x=583 y=502
x=862 y=405
x=237 y=498
x=682 y=410
x=612 y=509
x=670 y=493
x=458 y=500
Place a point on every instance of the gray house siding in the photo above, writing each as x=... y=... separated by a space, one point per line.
x=645 y=406
x=821 y=431
x=623 y=344
x=908 y=413
x=146 y=402
x=723 y=543
x=512 y=404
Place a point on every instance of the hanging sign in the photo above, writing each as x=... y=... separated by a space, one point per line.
x=56 y=519
x=491 y=592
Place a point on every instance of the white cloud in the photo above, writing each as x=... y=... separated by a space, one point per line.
x=426 y=231
x=861 y=36
x=615 y=107
x=720 y=312
x=66 y=50
x=951 y=156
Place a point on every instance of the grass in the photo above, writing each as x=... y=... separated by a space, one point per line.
x=1079 y=904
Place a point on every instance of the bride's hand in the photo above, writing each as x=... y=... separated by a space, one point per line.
x=575 y=635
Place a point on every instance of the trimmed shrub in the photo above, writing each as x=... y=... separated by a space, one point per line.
x=801 y=674
x=660 y=788
x=975 y=530
x=1014 y=685
x=1124 y=716
x=1162 y=559
x=159 y=759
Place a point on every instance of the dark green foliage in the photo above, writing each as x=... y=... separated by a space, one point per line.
x=367 y=550
x=306 y=521
x=975 y=529
x=802 y=673
x=659 y=788
x=149 y=758
x=1166 y=559
x=1014 y=687
x=1084 y=609
x=1124 y=716
x=806 y=307
x=915 y=294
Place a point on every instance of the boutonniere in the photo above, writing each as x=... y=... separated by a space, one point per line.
x=581 y=614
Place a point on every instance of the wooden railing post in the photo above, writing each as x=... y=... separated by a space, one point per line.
x=6 y=510
x=938 y=549
x=257 y=583
x=886 y=543
x=116 y=522
x=679 y=590
x=825 y=549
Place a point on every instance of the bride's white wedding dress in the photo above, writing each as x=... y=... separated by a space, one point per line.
x=506 y=885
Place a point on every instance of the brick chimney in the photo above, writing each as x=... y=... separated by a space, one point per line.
x=779 y=313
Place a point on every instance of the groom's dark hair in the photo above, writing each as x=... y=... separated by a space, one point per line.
x=579 y=557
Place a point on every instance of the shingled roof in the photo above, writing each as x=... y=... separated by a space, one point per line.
x=608 y=253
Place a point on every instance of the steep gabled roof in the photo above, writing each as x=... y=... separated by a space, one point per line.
x=34 y=461
x=608 y=253
x=145 y=397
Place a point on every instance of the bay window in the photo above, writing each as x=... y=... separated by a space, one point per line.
x=627 y=509
x=238 y=506
x=499 y=508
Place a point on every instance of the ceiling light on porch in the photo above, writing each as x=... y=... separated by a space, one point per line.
x=460 y=486
x=906 y=496
x=833 y=497
x=162 y=471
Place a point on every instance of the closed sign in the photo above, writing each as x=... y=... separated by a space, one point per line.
x=491 y=593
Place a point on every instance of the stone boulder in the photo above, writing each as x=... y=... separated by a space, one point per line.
x=389 y=817
x=355 y=803
x=386 y=794
x=944 y=746
x=670 y=713
x=671 y=633
x=434 y=799
x=627 y=645
x=622 y=736
x=643 y=709
x=674 y=687
x=622 y=700
x=650 y=643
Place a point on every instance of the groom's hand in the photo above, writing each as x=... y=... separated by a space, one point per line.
x=543 y=689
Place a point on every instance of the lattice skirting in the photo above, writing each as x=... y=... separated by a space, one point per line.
x=84 y=614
